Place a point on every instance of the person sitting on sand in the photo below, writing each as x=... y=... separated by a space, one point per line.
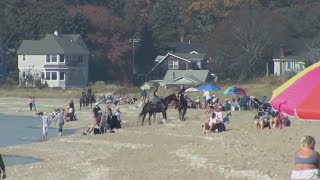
x=2 y=169
x=266 y=121
x=212 y=123
x=97 y=121
x=306 y=160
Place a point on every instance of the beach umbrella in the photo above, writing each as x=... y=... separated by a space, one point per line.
x=209 y=87
x=192 y=90
x=300 y=95
x=234 y=90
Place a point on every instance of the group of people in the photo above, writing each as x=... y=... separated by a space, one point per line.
x=213 y=120
x=104 y=120
x=58 y=117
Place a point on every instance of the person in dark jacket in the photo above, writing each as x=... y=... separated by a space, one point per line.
x=156 y=98
x=2 y=168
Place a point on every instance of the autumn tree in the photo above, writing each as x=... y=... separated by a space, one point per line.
x=242 y=44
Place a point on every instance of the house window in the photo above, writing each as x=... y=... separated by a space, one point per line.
x=48 y=76
x=53 y=75
x=288 y=66
x=80 y=60
x=24 y=74
x=61 y=59
x=54 y=58
x=61 y=76
x=47 y=58
x=173 y=64
x=23 y=57
x=42 y=75
x=199 y=64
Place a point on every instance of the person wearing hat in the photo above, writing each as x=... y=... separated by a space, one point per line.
x=2 y=169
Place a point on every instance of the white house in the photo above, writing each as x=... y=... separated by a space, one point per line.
x=60 y=60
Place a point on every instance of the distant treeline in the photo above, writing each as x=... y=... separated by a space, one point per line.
x=240 y=37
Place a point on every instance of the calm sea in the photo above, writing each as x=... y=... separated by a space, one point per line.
x=16 y=130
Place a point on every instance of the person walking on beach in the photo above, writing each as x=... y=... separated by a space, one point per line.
x=45 y=125
x=30 y=103
x=60 y=119
x=34 y=103
x=2 y=169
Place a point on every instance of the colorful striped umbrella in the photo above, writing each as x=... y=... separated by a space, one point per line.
x=235 y=90
x=300 y=95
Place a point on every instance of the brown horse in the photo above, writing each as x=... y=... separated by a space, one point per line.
x=150 y=108
x=87 y=99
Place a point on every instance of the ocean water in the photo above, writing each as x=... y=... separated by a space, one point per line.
x=16 y=130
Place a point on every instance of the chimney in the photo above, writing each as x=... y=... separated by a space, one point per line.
x=173 y=75
x=56 y=33
x=282 y=51
x=181 y=39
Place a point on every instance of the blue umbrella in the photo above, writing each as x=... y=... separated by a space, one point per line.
x=209 y=87
x=235 y=90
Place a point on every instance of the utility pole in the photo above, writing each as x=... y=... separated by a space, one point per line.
x=133 y=41
x=281 y=56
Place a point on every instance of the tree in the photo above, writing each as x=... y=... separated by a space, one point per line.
x=242 y=44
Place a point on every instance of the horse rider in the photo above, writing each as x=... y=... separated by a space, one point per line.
x=156 y=98
x=89 y=90
x=181 y=93
x=83 y=92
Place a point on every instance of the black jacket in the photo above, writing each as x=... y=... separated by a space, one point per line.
x=2 y=164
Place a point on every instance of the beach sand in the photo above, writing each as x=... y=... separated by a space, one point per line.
x=176 y=150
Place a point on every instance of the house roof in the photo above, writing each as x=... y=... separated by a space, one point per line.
x=164 y=57
x=199 y=56
x=190 y=78
x=199 y=76
x=54 y=44
x=184 y=56
x=293 y=49
x=185 y=47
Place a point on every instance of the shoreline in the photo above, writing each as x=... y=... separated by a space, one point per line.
x=177 y=150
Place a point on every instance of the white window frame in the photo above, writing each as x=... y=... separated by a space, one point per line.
x=56 y=58
x=47 y=77
x=64 y=76
x=48 y=58
x=56 y=74
x=63 y=59
x=173 y=64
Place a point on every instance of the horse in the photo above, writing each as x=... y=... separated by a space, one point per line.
x=150 y=108
x=182 y=106
x=87 y=99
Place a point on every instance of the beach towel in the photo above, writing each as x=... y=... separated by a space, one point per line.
x=305 y=174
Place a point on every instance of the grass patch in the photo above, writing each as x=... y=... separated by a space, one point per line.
x=258 y=88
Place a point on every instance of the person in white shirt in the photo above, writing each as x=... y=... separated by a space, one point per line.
x=45 y=125
x=207 y=97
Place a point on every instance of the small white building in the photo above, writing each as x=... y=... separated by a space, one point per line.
x=60 y=60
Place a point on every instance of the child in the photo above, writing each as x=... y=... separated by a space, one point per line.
x=45 y=125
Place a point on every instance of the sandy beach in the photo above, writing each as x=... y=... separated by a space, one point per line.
x=176 y=150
